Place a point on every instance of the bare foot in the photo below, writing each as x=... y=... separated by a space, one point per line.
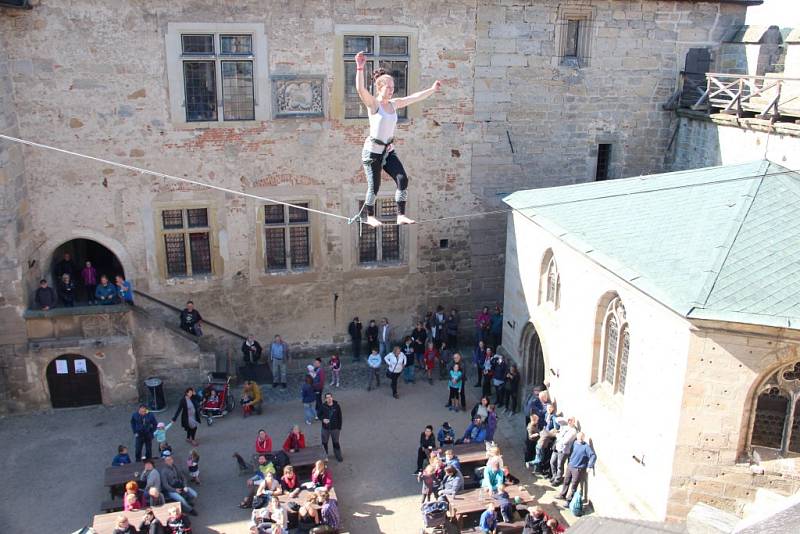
x=372 y=221
x=402 y=219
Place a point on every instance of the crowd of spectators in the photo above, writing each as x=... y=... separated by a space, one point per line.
x=97 y=290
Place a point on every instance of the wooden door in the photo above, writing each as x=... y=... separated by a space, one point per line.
x=73 y=380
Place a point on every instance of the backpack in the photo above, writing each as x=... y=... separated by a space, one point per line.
x=576 y=504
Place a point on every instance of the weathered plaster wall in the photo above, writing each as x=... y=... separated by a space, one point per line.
x=620 y=426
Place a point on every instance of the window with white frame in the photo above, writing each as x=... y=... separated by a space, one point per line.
x=186 y=234
x=380 y=244
x=287 y=237
x=616 y=346
x=776 y=421
x=217 y=72
x=390 y=52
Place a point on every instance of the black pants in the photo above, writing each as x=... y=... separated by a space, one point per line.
x=501 y=394
x=394 y=377
x=422 y=455
x=373 y=163
x=190 y=433
x=479 y=371
x=530 y=449
x=333 y=435
x=318 y=400
x=487 y=387
x=357 y=349
x=511 y=401
x=573 y=477
x=143 y=442
x=452 y=341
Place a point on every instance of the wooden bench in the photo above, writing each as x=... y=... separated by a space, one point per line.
x=502 y=528
x=116 y=477
x=306 y=458
x=106 y=523
x=475 y=500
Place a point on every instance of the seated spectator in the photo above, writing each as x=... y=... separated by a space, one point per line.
x=290 y=482
x=123 y=527
x=446 y=435
x=131 y=502
x=211 y=401
x=263 y=442
x=536 y=521
x=122 y=457
x=268 y=487
x=481 y=408
x=251 y=398
x=554 y=526
x=273 y=519
x=321 y=475
x=308 y=515
x=150 y=477
x=66 y=290
x=504 y=503
x=492 y=477
x=488 y=521
x=178 y=523
x=124 y=289
x=475 y=432
x=174 y=486
x=329 y=510
x=105 y=293
x=450 y=458
x=45 y=297
x=263 y=467
x=151 y=524
x=453 y=481
x=295 y=441
x=191 y=320
x=154 y=497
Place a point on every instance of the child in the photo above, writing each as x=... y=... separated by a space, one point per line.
x=408 y=370
x=455 y=387
x=491 y=422
x=131 y=502
x=488 y=522
x=426 y=477
x=212 y=399
x=335 y=365
x=430 y=357
x=164 y=449
x=193 y=465
x=374 y=362
x=504 y=502
x=161 y=432
x=122 y=457
x=446 y=435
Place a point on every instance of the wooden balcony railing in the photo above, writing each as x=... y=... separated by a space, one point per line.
x=765 y=97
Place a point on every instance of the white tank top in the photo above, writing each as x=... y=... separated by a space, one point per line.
x=381 y=126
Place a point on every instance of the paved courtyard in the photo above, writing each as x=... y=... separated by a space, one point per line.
x=53 y=463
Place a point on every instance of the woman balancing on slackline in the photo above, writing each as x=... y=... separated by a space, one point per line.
x=378 y=150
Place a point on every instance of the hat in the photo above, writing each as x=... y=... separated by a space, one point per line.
x=160 y=425
x=445 y=425
x=165 y=453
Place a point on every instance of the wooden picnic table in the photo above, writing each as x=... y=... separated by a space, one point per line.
x=106 y=523
x=305 y=458
x=116 y=476
x=469 y=453
x=475 y=500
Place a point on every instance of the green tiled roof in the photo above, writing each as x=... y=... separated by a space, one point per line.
x=716 y=243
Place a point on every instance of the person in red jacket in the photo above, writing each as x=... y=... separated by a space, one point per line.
x=263 y=442
x=295 y=441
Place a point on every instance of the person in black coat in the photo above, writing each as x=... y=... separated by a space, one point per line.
x=354 y=329
x=372 y=336
x=189 y=410
x=427 y=442
x=151 y=524
x=330 y=413
x=191 y=320
x=251 y=350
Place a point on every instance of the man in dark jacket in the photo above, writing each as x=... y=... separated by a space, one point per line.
x=191 y=319
x=354 y=329
x=143 y=424
x=372 y=336
x=174 y=486
x=331 y=416
x=251 y=350
x=67 y=266
x=499 y=372
x=45 y=297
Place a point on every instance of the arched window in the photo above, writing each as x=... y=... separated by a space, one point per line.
x=553 y=282
x=616 y=345
x=776 y=423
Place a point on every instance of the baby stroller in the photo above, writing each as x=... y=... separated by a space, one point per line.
x=434 y=517
x=217 y=401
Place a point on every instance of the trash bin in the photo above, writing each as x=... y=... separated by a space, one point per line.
x=155 y=394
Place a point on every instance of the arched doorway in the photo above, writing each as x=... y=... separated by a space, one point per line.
x=534 y=358
x=80 y=251
x=73 y=380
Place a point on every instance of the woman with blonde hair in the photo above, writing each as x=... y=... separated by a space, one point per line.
x=378 y=152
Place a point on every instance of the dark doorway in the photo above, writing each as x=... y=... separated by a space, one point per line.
x=534 y=364
x=73 y=381
x=81 y=251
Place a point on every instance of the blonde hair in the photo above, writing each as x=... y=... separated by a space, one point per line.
x=288 y=470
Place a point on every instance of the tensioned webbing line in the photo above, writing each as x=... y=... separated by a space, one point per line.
x=353 y=219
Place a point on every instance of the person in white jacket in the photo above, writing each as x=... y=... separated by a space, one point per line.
x=395 y=362
x=561 y=450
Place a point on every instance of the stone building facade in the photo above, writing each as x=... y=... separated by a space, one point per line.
x=531 y=91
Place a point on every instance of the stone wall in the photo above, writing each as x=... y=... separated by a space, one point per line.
x=726 y=364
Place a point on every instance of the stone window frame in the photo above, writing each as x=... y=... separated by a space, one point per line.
x=549 y=280
x=337 y=106
x=401 y=238
x=786 y=387
x=212 y=229
x=585 y=15
x=175 y=80
x=614 y=310
x=286 y=225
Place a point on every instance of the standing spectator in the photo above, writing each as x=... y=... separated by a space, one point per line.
x=105 y=293
x=190 y=415
x=374 y=363
x=446 y=435
x=66 y=290
x=125 y=289
x=191 y=319
x=318 y=382
x=143 y=425
x=537 y=403
x=384 y=336
x=395 y=362
x=561 y=451
x=451 y=329
x=437 y=326
x=372 y=336
x=457 y=359
x=430 y=357
x=89 y=277
x=308 y=399
x=354 y=329
x=482 y=323
x=335 y=365
x=488 y=359
x=491 y=422
x=581 y=458
x=427 y=442
x=532 y=438
x=331 y=417
x=251 y=352
x=455 y=387
x=278 y=355
x=429 y=483
x=499 y=372
x=418 y=337
x=496 y=327
x=512 y=389
x=66 y=266
x=478 y=356
x=408 y=351
x=45 y=297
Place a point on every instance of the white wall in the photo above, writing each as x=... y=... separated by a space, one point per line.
x=643 y=422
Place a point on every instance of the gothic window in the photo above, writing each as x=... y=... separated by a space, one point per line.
x=616 y=346
x=776 y=423
x=553 y=283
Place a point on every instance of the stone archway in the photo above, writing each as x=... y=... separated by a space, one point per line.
x=73 y=380
x=534 y=363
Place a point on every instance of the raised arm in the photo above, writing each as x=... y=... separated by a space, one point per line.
x=416 y=97
x=363 y=93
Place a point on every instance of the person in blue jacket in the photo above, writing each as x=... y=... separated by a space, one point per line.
x=446 y=435
x=475 y=432
x=488 y=521
x=122 y=457
x=106 y=293
x=143 y=425
x=581 y=459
